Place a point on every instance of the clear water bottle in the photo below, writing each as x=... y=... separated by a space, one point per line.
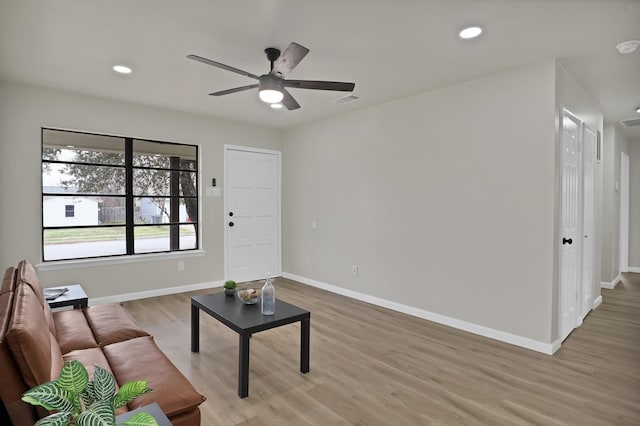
x=268 y=304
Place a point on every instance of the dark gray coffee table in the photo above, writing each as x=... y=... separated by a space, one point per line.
x=246 y=320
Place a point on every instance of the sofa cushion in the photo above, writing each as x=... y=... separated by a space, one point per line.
x=112 y=323
x=33 y=346
x=89 y=358
x=73 y=331
x=28 y=276
x=141 y=359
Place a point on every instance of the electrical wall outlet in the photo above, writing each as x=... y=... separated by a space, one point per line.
x=354 y=270
x=180 y=265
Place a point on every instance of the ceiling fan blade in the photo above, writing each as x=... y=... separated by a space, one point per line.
x=320 y=85
x=223 y=66
x=289 y=59
x=288 y=101
x=234 y=90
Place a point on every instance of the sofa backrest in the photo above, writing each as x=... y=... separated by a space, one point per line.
x=32 y=343
x=12 y=385
x=27 y=275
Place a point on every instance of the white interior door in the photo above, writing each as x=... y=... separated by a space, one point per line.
x=252 y=213
x=570 y=227
x=589 y=140
x=624 y=212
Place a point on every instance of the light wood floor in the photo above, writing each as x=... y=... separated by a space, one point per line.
x=372 y=366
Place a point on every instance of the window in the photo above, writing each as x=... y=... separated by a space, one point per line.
x=119 y=195
x=69 y=210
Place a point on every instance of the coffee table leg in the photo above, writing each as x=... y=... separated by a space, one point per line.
x=305 y=326
x=243 y=366
x=195 y=329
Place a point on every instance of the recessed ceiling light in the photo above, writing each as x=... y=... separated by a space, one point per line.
x=638 y=110
x=629 y=46
x=122 y=69
x=276 y=106
x=470 y=32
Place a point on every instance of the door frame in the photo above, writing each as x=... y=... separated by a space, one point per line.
x=624 y=213
x=588 y=229
x=226 y=149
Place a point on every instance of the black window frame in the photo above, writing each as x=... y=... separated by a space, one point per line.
x=130 y=198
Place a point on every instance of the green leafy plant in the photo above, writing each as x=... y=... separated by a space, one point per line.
x=83 y=402
x=230 y=285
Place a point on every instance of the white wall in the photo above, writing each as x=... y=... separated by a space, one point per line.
x=24 y=110
x=634 y=205
x=444 y=200
x=615 y=142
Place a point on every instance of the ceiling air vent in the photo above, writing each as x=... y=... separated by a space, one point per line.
x=631 y=123
x=348 y=98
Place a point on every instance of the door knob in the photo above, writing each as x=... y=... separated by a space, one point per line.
x=567 y=241
x=231 y=224
x=230 y=213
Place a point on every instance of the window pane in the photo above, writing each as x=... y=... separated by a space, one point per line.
x=112 y=210
x=188 y=237
x=150 y=182
x=75 y=243
x=148 y=239
x=158 y=182
x=79 y=178
x=82 y=211
x=150 y=210
x=82 y=147
x=158 y=154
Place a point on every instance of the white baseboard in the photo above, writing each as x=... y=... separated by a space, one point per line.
x=153 y=293
x=612 y=284
x=597 y=302
x=535 y=345
x=634 y=269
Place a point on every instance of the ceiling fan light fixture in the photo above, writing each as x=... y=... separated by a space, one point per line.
x=270 y=89
x=270 y=96
x=638 y=110
x=276 y=105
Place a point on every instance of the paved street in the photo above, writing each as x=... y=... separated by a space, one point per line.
x=108 y=248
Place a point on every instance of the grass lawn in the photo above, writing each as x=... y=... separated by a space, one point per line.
x=81 y=235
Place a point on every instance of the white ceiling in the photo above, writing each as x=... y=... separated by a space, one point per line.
x=390 y=48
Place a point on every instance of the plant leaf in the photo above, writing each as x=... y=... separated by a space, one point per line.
x=100 y=413
x=104 y=385
x=130 y=391
x=56 y=419
x=50 y=396
x=88 y=395
x=141 y=419
x=73 y=377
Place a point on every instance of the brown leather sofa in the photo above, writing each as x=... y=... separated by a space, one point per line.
x=35 y=342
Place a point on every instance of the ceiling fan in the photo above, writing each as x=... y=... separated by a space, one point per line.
x=272 y=86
